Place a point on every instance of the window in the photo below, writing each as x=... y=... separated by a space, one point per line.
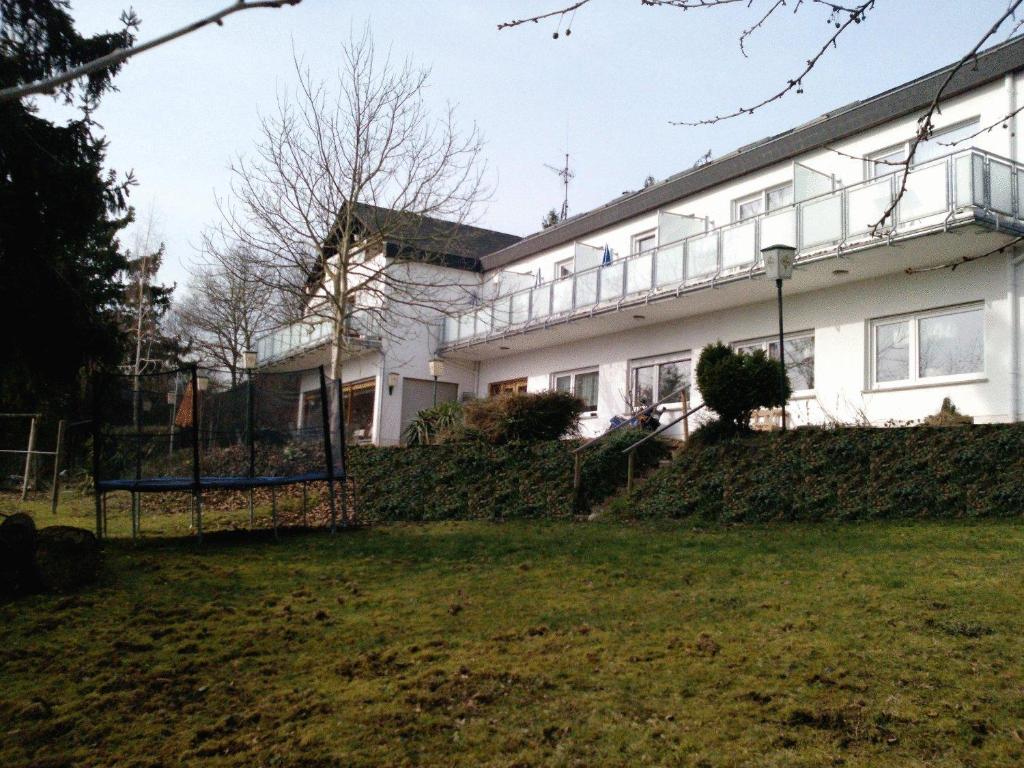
x=563 y=268
x=583 y=384
x=764 y=201
x=654 y=380
x=799 y=357
x=886 y=161
x=941 y=345
x=643 y=243
x=312 y=413
x=509 y=386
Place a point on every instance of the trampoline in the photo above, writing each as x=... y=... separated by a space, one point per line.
x=196 y=429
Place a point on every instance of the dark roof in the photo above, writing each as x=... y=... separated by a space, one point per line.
x=427 y=238
x=836 y=124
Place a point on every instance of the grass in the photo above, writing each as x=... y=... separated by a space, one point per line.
x=531 y=643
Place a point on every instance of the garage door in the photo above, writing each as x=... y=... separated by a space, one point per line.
x=418 y=394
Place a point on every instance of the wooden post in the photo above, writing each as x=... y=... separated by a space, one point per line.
x=630 y=468
x=28 y=458
x=305 y=500
x=57 y=456
x=252 y=511
x=577 y=479
x=686 y=419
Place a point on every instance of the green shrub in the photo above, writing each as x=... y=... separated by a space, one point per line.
x=525 y=416
x=735 y=384
x=441 y=423
x=848 y=473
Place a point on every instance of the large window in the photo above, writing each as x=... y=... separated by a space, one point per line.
x=888 y=160
x=564 y=268
x=583 y=384
x=946 y=344
x=655 y=379
x=766 y=200
x=799 y=348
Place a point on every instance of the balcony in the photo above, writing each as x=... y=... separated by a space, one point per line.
x=970 y=186
x=294 y=340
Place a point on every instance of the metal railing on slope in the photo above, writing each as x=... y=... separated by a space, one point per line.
x=631 y=450
x=577 y=477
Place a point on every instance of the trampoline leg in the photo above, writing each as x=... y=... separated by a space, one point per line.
x=103 y=511
x=138 y=514
x=305 y=519
x=135 y=498
x=273 y=508
x=252 y=512
x=192 y=512
x=199 y=515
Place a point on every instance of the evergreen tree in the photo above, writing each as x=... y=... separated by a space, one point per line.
x=60 y=258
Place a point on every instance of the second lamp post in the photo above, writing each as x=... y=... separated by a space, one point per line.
x=778 y=266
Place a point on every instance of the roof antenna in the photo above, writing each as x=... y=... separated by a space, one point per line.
x=565 y=174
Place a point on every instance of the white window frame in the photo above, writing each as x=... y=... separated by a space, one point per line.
x=761 y=195
x=572 y=384
x=685 y=356
x=763 y=342
x=568 y=264
x=871 y=157
x=913 y=350
x=634 y=247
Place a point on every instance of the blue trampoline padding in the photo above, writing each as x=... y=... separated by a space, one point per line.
x=164 y=484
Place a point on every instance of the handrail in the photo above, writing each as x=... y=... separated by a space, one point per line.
x=662 y=428
x=628 y=421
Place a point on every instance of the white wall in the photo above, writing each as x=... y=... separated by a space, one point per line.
x=839 y=318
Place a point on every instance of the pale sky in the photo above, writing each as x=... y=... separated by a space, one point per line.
x=185 y=110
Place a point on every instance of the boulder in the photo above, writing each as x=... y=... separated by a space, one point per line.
x=17 y=551
x=67 y=558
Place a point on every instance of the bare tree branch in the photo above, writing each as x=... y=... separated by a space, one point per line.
x=123 y=54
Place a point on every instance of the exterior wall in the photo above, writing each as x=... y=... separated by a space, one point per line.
x=839 y=318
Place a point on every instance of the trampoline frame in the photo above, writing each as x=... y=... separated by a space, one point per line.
x=198 y=482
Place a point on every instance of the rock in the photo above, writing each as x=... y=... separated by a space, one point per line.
x=17 y=551
x=67 y=558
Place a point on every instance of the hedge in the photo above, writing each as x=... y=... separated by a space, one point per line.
x=480 y=480
x=813 y=474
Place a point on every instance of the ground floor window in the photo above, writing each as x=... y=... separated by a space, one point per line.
x=357 y=404
x=501 y=387
x=939 y=345
x=799 y=349
x=657 y=378
x=583 y=384
x=312 y=412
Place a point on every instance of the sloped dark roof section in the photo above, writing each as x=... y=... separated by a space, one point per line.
x=429 y=239
x=832 y=126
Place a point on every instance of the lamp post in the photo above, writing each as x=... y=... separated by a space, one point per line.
x=249 y=362
x=393 y=378
x=778 y=266
x=436 y=369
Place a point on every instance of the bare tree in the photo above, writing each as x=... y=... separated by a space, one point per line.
x=354 y=184
x=146 y=302
x=841 y=17
x=228 y=304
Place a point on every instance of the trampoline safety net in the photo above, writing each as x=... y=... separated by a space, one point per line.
x=194 y=429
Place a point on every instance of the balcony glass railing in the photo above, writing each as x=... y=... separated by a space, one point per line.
x=307 y=334
x=935 y=191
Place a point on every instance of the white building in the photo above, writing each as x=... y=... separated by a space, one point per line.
x=618 y=302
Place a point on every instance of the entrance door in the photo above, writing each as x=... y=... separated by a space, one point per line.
x=511 y=385
x=418 y=395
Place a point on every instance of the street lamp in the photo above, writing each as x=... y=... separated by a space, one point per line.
x=393 y=378
x=249 y=359
x=778 y=266
x=436 y=369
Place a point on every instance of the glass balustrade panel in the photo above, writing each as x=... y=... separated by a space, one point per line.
x=702 y=256
x=586 y=287
x=540 y=305
x=501 y=312
x=779 y=229
x=611 y=281
x=1000 y=179
x=925 y=193
x=738 y=246
x=866 y=204
x=466 y=325
x=451 y=329
x=822 y=221
x=520 y=307
x=561 y=296
x=668 y=265
x=638 y=273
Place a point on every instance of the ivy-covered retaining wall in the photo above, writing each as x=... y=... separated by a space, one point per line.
x=842 y=474
x=479 y=480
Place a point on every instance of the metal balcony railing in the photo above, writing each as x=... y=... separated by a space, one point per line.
x=935 y=193
x=292 y=339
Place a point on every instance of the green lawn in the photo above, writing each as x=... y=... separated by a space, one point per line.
x=531 y=644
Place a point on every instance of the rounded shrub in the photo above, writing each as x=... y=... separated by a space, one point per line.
x=735 y=384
